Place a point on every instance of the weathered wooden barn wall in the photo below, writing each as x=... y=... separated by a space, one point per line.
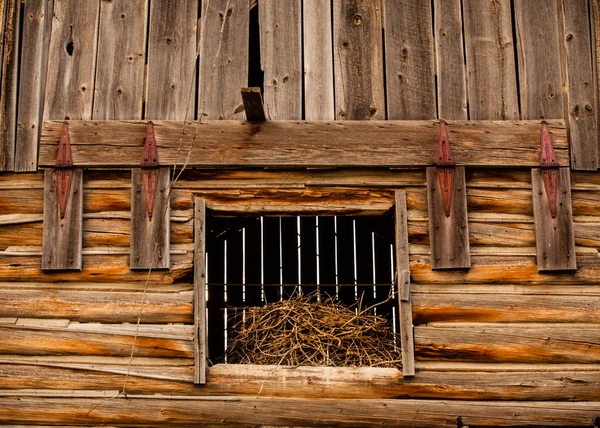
x=497 y=344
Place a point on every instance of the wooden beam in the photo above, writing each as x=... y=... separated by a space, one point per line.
x=305 y=143
x=200 y=334
x=252 y=411
x=403 y=285
x=253 y=104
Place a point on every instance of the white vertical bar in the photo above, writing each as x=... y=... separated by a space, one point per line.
x=299 y=254
x=280 y=260
x=335 y=251
x=354 y=255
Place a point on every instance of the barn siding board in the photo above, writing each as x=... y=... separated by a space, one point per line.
x=538 y=46
x=9 y=86
x=150 y=237
x=491 y=72
x=223 y=58
x=281 y=57
x=555 y=238
x=200 y=334
x=71 y=61
x=581 y=100
x=62 y=242
x=450 y=60
x=595 y=26
x=358 y=60
x=449 y=235
x=119 y=88
x=171 y=80
x=32 y=69
x=409 y=60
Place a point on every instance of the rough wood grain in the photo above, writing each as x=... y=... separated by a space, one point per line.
x=171 y=60
x=409 y=60
x=485 y=382
x=308 y=144
x=9 y=86
x=253 y=104
x=200 y=335
x=71 y=61
x=358 y=60
x=582 y=103
x=595 y=26
x=252 y=411
x=150 y=237
x=404 y=304
x=223 y=58
x=450 y=60
x=119 y=88
x=508 y=344
x=62 y=240
x=33 y=58
x=481 y=306
x=318 y=60
x=281 y=57
x=538 y=46
x=491 y=72
x=96 y=306
x=555 y=238
x=449 y=235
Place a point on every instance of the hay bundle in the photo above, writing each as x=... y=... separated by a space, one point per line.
x=304 y=331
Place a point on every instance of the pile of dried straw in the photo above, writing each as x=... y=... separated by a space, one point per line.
x=307 y=332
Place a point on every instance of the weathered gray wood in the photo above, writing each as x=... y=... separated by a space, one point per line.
x=200 y=333
x=253 y=104
x=449 y=236
x=119 y=88
x=33 y=58
x=309 y=144
x=491 y=73
x=281 y=57
x=9 y=85
x=409 y=60
x=150 y=238
x=223 y=58
x=61 y=248
x=171 y=60
x=402 y=267
x=595 y=25
x=582 y=104
x=3 y=12
x=555 y=238
x=538 y=46
x=318 y=60
x=450 y=60
x=71 y=61
x=358 y=60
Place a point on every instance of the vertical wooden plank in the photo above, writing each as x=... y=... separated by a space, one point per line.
x=30 y=85
x=358 y=60
x=581 y=110
x=8 y=88
x=71 y=61
x=595 y=24
x=62 y=240
x=491 y=72
x=150 y=238
x=450 y=60
x=172 y=60
x=409 y=60
x=3 y=13
x=119 y=88
x=281 y=57
x=223 y=58
x=200 y=335
x=318 y=60
x=449 y=235
x=253 y=104
x=540 y=76
x=554 y=237
x=402 y=266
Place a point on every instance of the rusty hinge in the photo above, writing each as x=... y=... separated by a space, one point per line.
x=150 y=168
x=445 y=167
x=549 y=166
x=64 y=169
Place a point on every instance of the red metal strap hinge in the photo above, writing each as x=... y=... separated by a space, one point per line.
x=445 y=167
x=64 y=169
x=549 y=166
x=150 y=168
